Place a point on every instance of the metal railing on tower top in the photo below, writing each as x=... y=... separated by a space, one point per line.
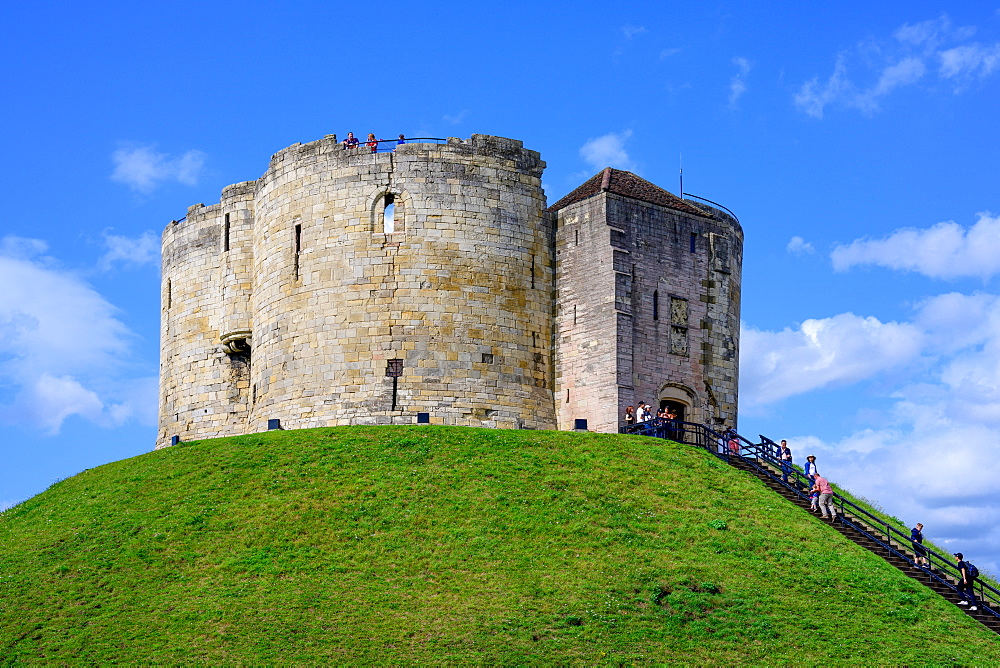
x=389 y=145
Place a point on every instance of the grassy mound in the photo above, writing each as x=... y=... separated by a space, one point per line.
x=446 y=544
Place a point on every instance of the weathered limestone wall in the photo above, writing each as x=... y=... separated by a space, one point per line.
x=687 y=350
x=449 y=292
x=459 y=293
x=195 y=377
x=586 y=318
x=617 y=257
x=345 y=287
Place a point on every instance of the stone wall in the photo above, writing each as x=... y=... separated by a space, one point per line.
x=648 y=310
x=346 y=287
x=457 y=296
x=587 y=316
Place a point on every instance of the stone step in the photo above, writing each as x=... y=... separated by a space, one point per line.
x=985 y=618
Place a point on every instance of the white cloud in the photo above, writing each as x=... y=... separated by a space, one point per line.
x=666 y=53
x=607 y=151
x=143 y=169
x=49 y=401
x=928 y=457
x=62 y=348
x=814 y=97
x=930 y=34
x=945 y=250
x=905 y=72
x=21 y=247
x=839 y=350
x=799 y=246
x=737 y=85
x=137 y=251
x=632 y=31
x=891 y=65
x=969 y=60
x=457 y=118
x=923 y=467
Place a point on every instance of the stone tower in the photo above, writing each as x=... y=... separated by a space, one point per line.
x=648 y=305
x=349 y=287
x=430 y=284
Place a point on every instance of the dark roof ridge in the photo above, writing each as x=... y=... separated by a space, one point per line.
x=627 y=184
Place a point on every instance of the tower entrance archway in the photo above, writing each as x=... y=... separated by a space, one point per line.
x=678 y=408
x=681 y=400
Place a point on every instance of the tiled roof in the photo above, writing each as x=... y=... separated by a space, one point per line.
x=629 y=185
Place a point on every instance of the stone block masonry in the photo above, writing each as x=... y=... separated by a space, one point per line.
x=647 y=304
x=346 y=287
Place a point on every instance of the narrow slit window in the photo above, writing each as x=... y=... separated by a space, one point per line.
x=567 y=395
x=694 y=242
x=574 y=314
x=225 y=235
x=389 y=214
x=656 y=304
x=298 y=248
x=576 y=241
x=394 y=369
x=532 y=271
x=169 y=293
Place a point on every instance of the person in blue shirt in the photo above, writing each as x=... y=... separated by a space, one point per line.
x=811 y=471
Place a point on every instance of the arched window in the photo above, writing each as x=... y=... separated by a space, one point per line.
x=389 y=214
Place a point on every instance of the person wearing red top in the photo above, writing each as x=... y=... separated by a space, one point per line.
x=822 y=485
x=372 y=143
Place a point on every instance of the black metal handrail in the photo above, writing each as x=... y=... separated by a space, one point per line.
x=389 y=145
x=764 y=459
x=715 y=204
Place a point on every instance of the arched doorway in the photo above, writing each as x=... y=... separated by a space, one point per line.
x=681 y=410
x=681 y=400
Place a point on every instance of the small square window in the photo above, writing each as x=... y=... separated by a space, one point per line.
x=487 y=358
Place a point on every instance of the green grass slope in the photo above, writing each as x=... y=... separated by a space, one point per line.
x=422 y=544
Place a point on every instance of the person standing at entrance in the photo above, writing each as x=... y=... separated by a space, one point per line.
x=672 y=427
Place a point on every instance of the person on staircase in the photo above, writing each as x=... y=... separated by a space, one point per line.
x=826 y=506
x=814 y=500
x=966 y=588
x=785 y=455
x=919 y=551
x=811 y=471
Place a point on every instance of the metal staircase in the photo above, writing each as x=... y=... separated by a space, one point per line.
x=854 y=522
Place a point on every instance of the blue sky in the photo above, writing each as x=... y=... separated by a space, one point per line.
x=856 y=142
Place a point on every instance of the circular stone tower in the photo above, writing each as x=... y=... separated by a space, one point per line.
x=348 y=287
